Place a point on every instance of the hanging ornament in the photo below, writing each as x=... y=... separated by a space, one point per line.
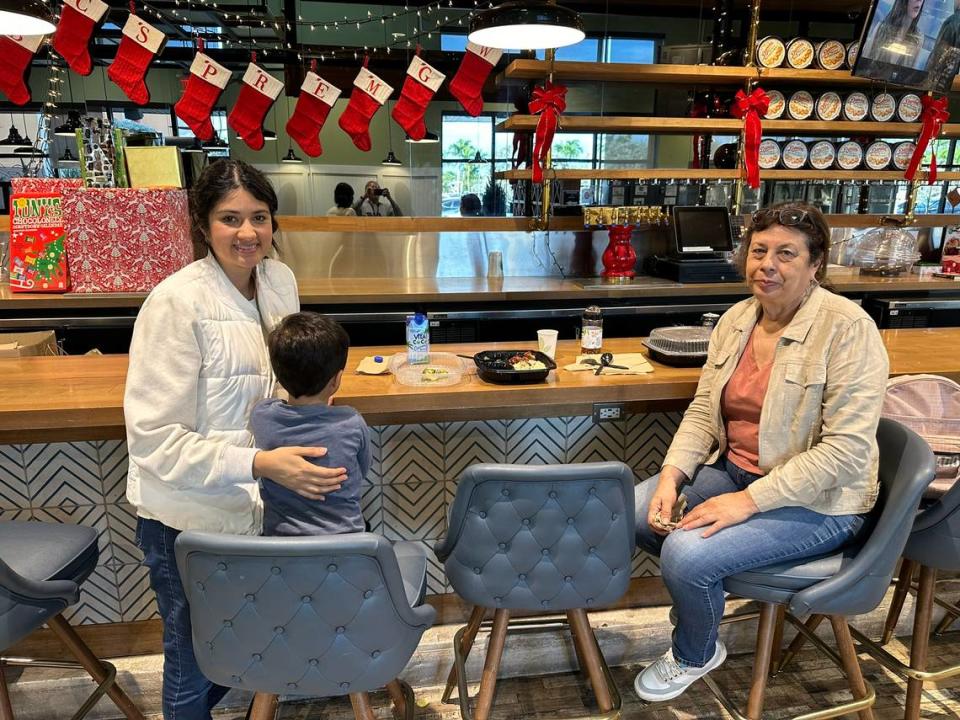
x=138 y=48
x=475 y=68
x=368 y=95
x=257 y=93
x=204 y=87
x=317 y=97
x=935 y=114
x=422 y=82
x=548 y=102
x=751 y=108
x=72 y=39
x=16 y=54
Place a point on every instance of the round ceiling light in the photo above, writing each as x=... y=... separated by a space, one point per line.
x=526 y=25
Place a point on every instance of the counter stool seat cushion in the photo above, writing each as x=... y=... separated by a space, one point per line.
x=777 y=583
x=49 y=551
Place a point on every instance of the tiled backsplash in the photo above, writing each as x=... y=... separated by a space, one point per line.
x=411 y=483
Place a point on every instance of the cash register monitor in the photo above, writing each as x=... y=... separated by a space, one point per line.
x=701 y=232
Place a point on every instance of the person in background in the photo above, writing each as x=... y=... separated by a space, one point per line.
x=897 y=40
x=777 y=453
x=198 y=364
x=343 y=199
x=308 y=353
x=377 y=201
x=470 y=205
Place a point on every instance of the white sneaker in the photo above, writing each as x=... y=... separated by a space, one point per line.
x=666 y=679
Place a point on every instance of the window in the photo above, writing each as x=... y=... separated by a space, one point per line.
x=587 y=50
x=467 y=159
x=218 y=118
x=590 y=49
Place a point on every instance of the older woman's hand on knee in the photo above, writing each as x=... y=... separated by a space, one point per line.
x=664 y=498
x=290 y=467
x=720 y=512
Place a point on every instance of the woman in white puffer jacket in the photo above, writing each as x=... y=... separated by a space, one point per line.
x=198 y=365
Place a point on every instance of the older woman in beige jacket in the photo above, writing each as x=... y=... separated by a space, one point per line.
x=776 y=455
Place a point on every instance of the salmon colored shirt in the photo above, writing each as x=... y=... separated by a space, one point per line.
x=741 y=403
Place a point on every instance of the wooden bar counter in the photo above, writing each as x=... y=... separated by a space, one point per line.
x=81 y=398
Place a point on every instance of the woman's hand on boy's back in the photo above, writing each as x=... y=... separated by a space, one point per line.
x=290 y=467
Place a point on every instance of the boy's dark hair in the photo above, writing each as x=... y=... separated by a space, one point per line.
x=306 y=350
x=343 y=195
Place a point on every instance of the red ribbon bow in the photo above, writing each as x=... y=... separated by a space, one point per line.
x=548 y=102
x=934 y=116
x=751 y=107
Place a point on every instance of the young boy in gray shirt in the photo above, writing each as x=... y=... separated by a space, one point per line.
x=308 y=353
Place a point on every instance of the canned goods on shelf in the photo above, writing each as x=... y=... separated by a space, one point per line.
x=909 y=108
x=856 y=107
x=778 y=104
x=822 y=155
x=831 y=54
x=794 y=155
x=768 y=154
x=849 y=155
x=853 y=49
x=883 y=107
x=878 y=155
x=828 y=106
x=800 y=53
x=902 y=154
x=771 y=52
x=800 y=105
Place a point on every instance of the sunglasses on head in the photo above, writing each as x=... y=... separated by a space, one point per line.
x=788 y=217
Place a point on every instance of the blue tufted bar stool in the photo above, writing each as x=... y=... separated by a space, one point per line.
x=849 y=582
x=538 y=539
x=42 y=566
x=321 y=616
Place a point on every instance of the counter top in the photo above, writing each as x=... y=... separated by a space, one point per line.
x=369 y=291
x=81 y=397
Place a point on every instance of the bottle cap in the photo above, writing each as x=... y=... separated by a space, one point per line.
x=378 y=358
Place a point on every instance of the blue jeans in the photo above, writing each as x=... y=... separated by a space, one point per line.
x=693 y=568
x=187 y=694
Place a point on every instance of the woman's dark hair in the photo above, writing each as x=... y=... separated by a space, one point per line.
x=470 y=205
x=218 y=180
x=811 y=224
x=898 y=13
x=306 y=350
x=343 y=195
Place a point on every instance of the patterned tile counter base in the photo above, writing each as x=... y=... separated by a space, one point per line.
x=411 y=483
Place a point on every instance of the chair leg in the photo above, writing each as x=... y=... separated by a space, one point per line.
x=6 y=709
x=812 y=623
x=590 y=655
x=491 y=665
x=851 y=665
x=401 y=695
x=945 y=623
x=91 y=663
x=921 y=639
x=761 y=660
x=264 y=706
x=777 y=648
x=466 y=644
x=904 y=578
x=361 y=706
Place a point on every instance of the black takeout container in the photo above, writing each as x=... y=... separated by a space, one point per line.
x=490 y=367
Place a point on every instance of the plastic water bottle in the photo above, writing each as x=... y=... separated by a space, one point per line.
x=418 y=339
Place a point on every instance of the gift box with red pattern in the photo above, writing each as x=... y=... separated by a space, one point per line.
x=125 y=239
x=47 y=186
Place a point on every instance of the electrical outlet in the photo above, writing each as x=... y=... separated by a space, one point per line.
x=607 y=412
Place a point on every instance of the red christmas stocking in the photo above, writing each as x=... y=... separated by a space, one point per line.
x=204 y=87
x=257 y=93
x=419 y=87
x=16 y=54
x=467 y=84
x=72 y=41
x=138 y=47
x=369 y=94
x=317 y=96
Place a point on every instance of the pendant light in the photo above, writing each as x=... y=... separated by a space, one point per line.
x=70 y=127
x=269 y=136
x=526 y=25
x=291 y=158
x=428 y=139
x=13 y=139
x=24 y=18
x=391 y=159
x=214 y=143
x=477 y=159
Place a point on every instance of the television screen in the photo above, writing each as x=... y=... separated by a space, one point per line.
x=702 y=230
x=915 y=43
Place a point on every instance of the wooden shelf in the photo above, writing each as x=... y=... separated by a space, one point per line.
x=656 y=74
x=715 y=174
x=720 y=126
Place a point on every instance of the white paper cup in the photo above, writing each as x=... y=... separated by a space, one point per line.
x=547 y=342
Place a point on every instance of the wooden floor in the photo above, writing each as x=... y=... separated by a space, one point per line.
x=808 y=684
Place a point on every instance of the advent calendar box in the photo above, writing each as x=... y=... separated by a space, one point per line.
x=38 y=262
x=125 y=239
